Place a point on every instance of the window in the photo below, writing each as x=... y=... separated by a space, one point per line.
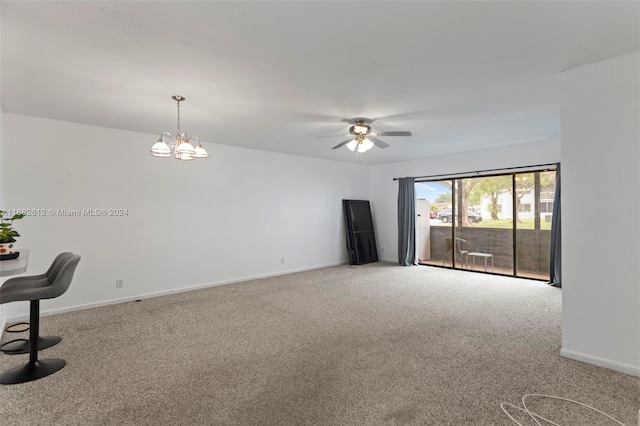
x=525 y=208
x=546 y=207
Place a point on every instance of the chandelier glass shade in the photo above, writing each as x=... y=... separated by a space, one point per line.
x=180 y=147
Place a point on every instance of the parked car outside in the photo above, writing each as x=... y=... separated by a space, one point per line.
x=445 y=216
x=433 y=215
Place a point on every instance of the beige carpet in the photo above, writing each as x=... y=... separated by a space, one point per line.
x=376 y=344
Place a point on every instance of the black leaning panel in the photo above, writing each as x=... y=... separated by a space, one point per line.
x=361 y=241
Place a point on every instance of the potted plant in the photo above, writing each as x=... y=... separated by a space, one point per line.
x=7 y=235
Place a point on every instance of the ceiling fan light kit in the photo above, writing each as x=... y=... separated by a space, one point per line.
x=360 y=144
x=180 y=147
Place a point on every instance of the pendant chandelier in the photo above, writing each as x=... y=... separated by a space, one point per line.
x=180 y=148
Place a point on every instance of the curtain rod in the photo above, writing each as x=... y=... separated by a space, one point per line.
x=477 y=172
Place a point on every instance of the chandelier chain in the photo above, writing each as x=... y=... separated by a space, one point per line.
x=178 y=116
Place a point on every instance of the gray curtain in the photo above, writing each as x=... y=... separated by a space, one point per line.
x=555 y=254
x=407 y=222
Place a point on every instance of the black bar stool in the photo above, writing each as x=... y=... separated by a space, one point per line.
x=37 y=369
x=21 y=346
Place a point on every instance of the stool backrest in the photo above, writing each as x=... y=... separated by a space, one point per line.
x=63 y=279
x=57 y=265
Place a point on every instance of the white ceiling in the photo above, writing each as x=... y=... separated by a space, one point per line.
x=274 y=75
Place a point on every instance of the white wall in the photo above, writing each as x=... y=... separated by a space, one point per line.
x=227 y=218
x=3 y=317
x=600 y=166
x=384 y=190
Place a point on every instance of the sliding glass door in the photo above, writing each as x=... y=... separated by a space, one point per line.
x=433 y=200
x=497 y=224
x=533 y=211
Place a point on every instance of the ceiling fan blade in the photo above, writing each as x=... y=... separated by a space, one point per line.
x=397 y=133
x=379 y=143
x=333 y=136
x=342 y=144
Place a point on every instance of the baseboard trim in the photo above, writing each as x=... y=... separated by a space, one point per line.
x=634 y=370
x=48 y=312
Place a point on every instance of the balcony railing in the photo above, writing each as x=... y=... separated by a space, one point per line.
x=532 y=248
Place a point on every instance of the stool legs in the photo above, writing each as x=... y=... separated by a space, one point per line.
x=21 y=346
x=34 y=369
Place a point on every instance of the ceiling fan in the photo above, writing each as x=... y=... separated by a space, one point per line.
x=361 y=138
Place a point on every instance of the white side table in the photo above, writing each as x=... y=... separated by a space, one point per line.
x=485 y=256
x=15 y=266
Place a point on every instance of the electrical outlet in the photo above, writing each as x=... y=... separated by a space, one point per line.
x=119 y=282
x=282 y=260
